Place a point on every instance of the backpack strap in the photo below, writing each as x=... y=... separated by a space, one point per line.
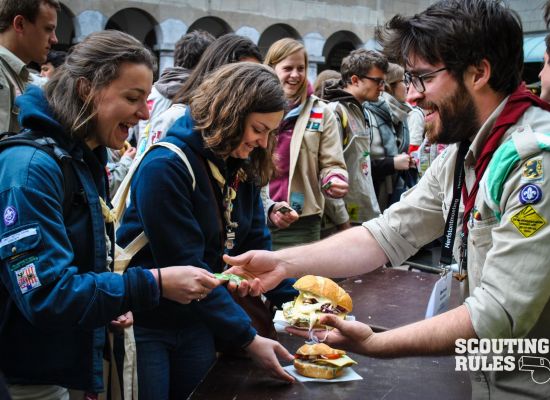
x=342 y=116
x=48 y=145
x=123 y=256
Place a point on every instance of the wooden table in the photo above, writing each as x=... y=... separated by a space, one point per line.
x=385 y=298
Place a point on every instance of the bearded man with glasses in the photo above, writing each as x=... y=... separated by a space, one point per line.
x=487 y=192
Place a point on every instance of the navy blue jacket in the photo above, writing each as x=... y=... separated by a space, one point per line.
x=56 y=297
x=184 y=228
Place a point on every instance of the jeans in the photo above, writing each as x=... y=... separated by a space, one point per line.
x=171 y=363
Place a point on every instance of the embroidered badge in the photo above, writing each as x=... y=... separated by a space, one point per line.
x=530 y=194
x=528 y=221
x=313 y=126
x=27 y=278
x=532 y=170
x=22 y=263
x=10 y=216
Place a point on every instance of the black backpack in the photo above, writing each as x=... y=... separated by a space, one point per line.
x=71 y=184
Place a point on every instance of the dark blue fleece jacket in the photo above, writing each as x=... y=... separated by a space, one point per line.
x=184 y=228
x=56 y=296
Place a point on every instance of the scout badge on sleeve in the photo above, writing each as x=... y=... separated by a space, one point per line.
x=315 y=122
x=530 y=194
x=532 y=170
x=528 y=221
x=10 y=216
x=27 y=279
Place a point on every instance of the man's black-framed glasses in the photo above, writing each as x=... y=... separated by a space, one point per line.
x=418 y=80
x=378 y=81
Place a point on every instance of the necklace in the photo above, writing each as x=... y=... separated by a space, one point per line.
x=229 y=193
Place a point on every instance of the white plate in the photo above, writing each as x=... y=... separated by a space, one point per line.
x=348 y=375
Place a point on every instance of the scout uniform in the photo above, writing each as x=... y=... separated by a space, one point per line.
x=508 y=234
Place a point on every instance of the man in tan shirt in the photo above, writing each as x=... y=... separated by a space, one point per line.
x=464 y=61
x=27 y=33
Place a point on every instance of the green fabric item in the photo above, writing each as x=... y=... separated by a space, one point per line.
x=504 y=160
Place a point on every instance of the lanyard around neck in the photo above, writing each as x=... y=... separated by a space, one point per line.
x=452 y=216
x=229 y=193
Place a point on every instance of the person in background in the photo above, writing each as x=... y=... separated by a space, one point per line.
x=310 y=163
x=118 y=164
x=27 y=33
x=227 y=134
x=544 y=74
x=464 y=63
x=187 y=54
x=229 y=48
x=322 y=79
x=363 y=73
x=57 y=291
x=55 y=59
x=390 y=139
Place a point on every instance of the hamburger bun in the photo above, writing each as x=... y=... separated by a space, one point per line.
x=321 y=361
x=324 y=287
x=311 y=370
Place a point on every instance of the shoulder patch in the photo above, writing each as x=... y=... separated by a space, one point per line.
x=530 y=194
x=27 y=279
x=10 y=216
x=532 y=170
x=528 y=221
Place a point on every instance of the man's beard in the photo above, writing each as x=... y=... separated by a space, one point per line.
x=458 y=119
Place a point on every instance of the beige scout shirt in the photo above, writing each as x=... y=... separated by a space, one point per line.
x=14 y=76
x=509 y=273
x=315 y=153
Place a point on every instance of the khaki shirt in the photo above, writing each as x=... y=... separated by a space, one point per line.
x=508 y=273
x=14 y=77
x=315 y=153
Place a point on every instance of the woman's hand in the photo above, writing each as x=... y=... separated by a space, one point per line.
x=185 y=284
x=281 y=215
x=335 y=187
x=123 y=322
x=265 y=351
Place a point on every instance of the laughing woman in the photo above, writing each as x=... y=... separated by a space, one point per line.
x=57 y=293
x=227 y=136
x=310 y=162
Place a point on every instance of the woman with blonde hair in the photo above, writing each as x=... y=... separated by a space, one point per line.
x=227 y=135
x=309 y=159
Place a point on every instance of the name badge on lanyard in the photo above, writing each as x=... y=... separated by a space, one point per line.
x=441 y=292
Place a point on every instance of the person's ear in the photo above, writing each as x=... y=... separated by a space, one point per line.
x=19 y=23
x=354 y=79
x=83 y=88
x=480 y=74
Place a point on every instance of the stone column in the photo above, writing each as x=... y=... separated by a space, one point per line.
x=88 y=22
x=168 y=33
x=314 y=44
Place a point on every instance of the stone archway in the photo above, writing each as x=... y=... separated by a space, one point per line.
x=214 y=25
x=135 y=22
x=274 y=33
x=337 y=46
x=65 y=30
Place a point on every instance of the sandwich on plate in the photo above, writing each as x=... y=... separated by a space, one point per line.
x=321 y=361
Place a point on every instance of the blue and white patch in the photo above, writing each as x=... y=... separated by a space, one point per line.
x=10 y=215
x=27 y=279
x=18 y=236
x=530 y=194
